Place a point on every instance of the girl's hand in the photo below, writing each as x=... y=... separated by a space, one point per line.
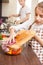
x=17 y=22
x=12 y=37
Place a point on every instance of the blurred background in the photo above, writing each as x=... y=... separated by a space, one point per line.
x=9 y=7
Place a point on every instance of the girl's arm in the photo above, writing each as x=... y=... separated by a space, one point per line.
x=39 y=39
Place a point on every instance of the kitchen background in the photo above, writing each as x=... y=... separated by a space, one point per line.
x=9 y=7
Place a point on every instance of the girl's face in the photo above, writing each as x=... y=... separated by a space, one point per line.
x=22 y=2
x=39 y=16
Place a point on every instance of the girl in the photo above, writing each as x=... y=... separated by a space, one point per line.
x=37 y=41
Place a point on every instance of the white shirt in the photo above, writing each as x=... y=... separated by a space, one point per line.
x=23 y=11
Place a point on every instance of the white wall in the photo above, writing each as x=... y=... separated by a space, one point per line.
x=9 y=8
x=34 y=4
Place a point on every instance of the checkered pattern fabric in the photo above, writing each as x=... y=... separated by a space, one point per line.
x=37 y=48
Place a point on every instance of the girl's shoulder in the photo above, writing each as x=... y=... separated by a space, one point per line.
x=37 y=26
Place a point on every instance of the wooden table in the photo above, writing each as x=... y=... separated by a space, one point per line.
x=27 y=57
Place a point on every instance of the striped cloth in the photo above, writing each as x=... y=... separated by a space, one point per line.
x=37 y=48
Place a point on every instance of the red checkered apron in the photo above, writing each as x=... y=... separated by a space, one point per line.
x=37 y=48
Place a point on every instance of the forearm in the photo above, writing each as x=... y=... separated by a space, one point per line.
x=26 y=18
x=39 y=40
x=23 y=20
x=14 y=15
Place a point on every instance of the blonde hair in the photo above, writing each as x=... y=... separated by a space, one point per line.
x=40 y=6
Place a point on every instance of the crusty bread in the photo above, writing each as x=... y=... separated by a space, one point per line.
x=23 y=37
